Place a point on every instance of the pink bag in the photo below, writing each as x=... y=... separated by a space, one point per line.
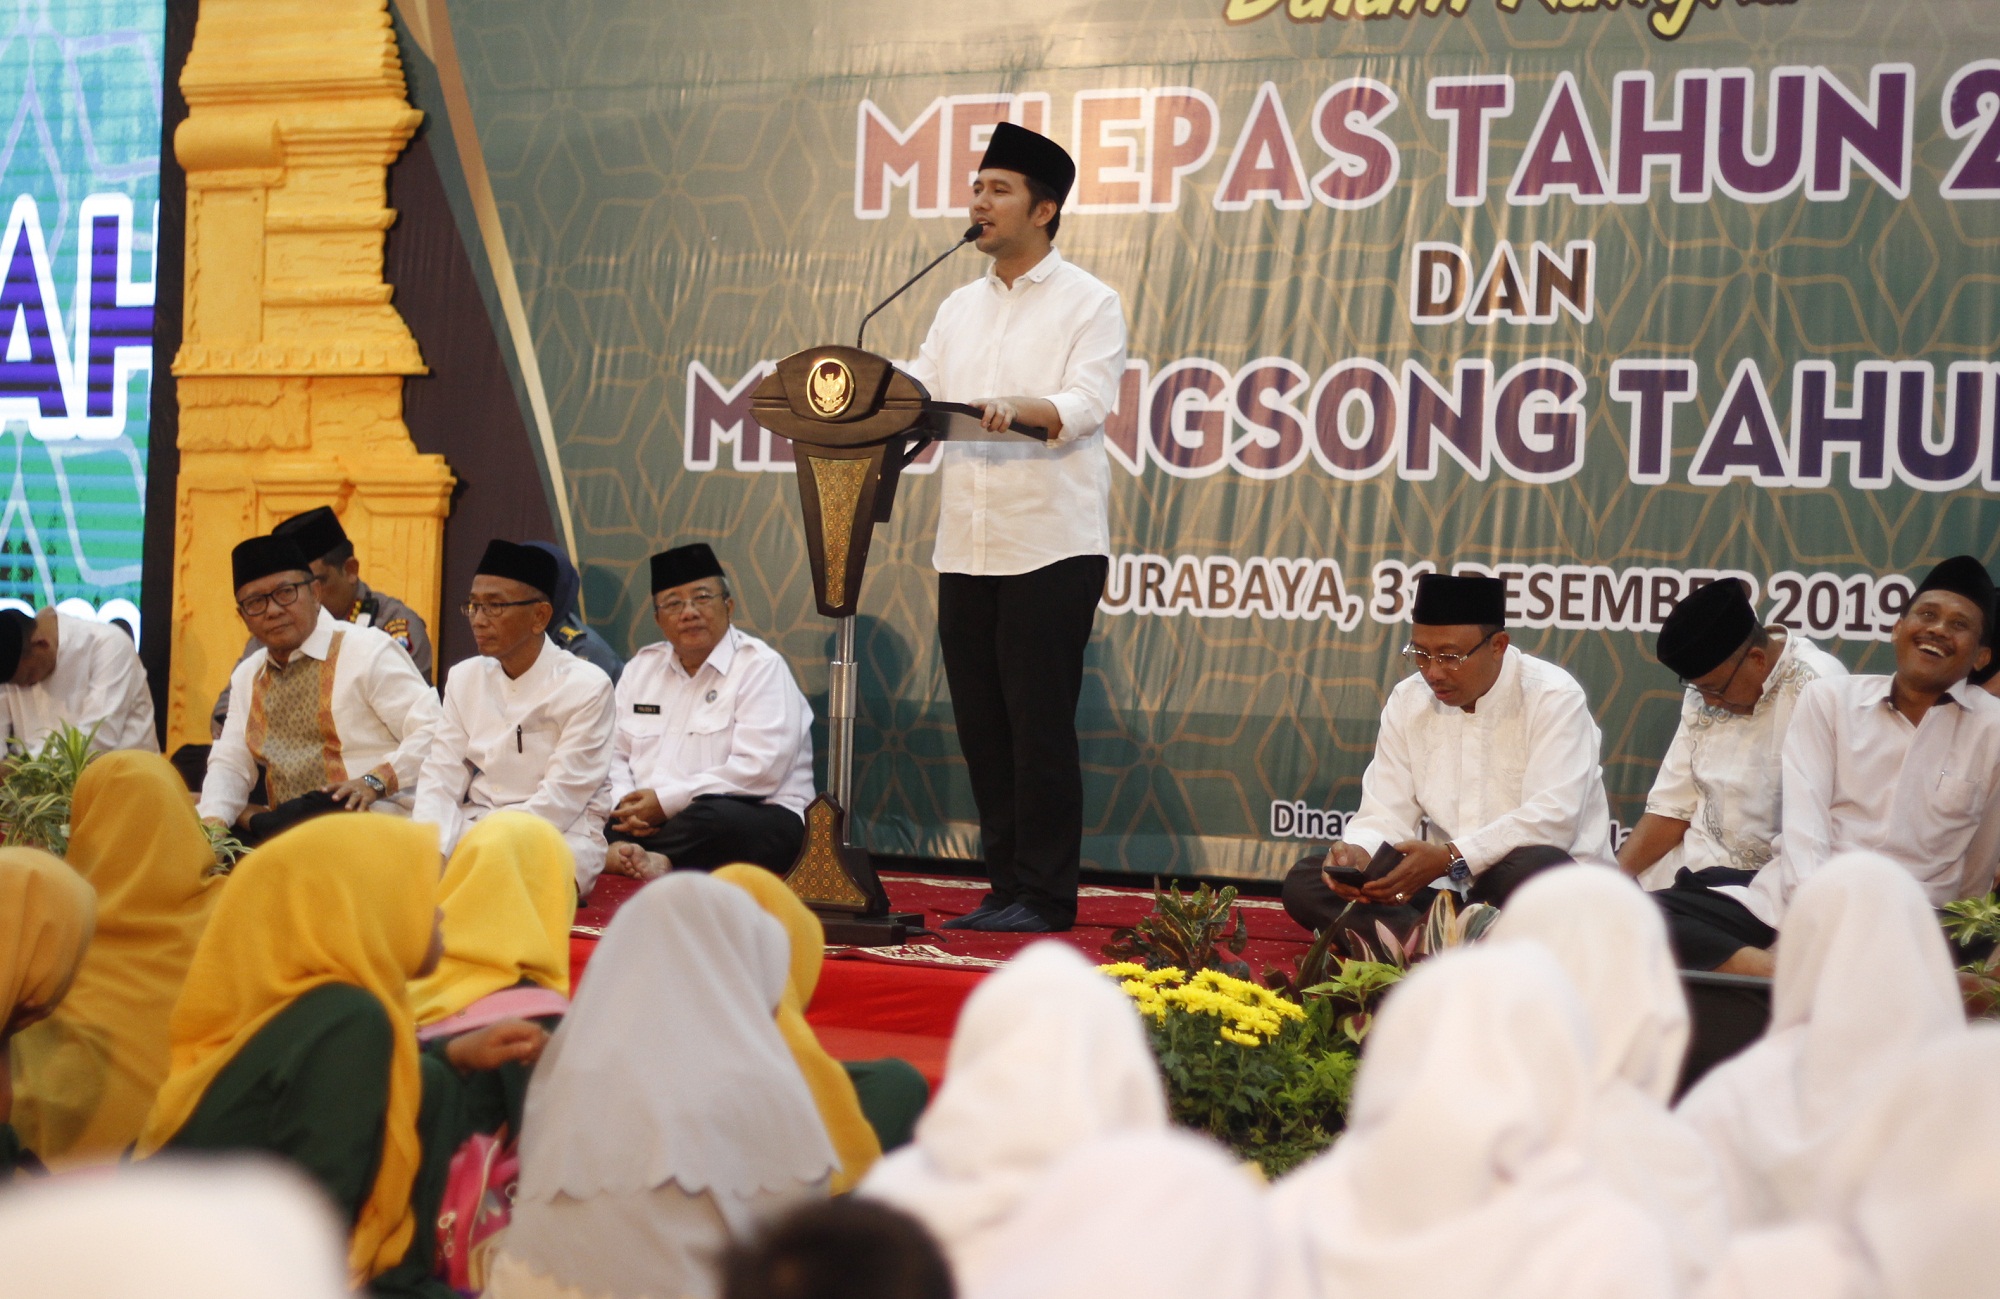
x=478 y=1203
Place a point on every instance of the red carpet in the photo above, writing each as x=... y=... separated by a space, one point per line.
x=904 y=1001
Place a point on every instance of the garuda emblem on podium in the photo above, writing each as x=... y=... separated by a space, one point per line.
x=832 y=388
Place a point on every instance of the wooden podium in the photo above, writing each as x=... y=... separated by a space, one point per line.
x=857 y=422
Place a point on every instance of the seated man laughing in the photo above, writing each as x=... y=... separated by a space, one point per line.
x=1906 y=765
x=1485 y=772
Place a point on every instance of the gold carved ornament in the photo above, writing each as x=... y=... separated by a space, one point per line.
x=839 y=483
x=818 y=877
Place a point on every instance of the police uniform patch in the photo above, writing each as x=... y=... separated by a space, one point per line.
x=399 y=631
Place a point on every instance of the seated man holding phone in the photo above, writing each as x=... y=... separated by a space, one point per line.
x=1485 y=773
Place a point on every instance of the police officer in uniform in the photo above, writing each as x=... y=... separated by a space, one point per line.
x=568 y=630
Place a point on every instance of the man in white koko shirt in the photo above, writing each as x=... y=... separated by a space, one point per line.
x=1023 y=538
x=1486 y=771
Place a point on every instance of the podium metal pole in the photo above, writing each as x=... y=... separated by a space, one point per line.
x=841 y=682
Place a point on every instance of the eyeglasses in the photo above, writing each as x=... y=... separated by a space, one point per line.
x=700 y=600
x=284 y=597
x=1421 y=659
x=491 y=608
x=1715 y=694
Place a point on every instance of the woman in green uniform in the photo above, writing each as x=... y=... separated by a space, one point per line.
x=86 y=1076
x=294 y=1033
x=47 y=913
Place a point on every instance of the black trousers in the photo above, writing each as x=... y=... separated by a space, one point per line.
x=1706 y=928
x=1013 y=658
x=722 y=829
x=1315 y=906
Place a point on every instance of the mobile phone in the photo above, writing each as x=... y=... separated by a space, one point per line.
x=1385 y=860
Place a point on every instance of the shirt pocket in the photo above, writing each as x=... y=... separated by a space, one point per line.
x=648 y=724
x=1959 y=800
x=712 y=717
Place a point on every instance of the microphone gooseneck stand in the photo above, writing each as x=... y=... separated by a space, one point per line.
x=843 y=673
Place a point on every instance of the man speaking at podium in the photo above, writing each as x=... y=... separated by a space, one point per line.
x=1023 y=542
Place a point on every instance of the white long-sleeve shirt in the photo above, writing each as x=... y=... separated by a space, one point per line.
x=98 y=681
x=379 y=710
x=538 y=743
x=1858 y=775
x=1520 y=770
x=1722 y=773
x=1058 y=333
x=738 y=725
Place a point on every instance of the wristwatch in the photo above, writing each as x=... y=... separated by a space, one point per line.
x=1460 y=872
x=375 y=783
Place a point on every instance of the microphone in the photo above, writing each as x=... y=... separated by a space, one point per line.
x=971 y=233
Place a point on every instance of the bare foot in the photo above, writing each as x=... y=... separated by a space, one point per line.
x=634 y=862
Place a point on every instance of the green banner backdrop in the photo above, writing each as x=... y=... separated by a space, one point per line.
x=1607 y=299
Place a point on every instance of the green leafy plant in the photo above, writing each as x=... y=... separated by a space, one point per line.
x=1352 y=986
x=226 y=846
x=1255 y=1070
x=37 y=787
x=1186 y=931
x=1974 y=922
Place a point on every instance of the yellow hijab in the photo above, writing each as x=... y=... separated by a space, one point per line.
x=341 y=899
x=833 y=1091
x=48 y=912
x=509 y=898
x=85 y=1077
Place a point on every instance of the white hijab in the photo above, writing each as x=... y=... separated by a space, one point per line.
x=1462 y=1174
x=1048 y=1055
x=1166 y=1215
x=1915 y=1178
x=669 y=1066
x=1801 y=1260
x=173 y=1228
x=1609 y=938
x=1864 y=980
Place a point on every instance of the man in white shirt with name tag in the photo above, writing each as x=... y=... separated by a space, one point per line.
x=525 y=725
x=1023 y=538
x=1906 y=765
x=58 y=669
x=713 y=762
x=1486 y=772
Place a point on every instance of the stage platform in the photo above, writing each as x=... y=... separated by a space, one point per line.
x=904 y=1001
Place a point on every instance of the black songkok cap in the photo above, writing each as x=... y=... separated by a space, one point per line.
x=1448 y=601
x=1016 y=148
x=524 y=564
x=1966 y=576
x=317 y=532
x=15 y=628
x=684 y=564
x=1708 y=625
x=263 y=556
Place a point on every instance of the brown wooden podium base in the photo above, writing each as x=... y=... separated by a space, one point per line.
x=838 y=881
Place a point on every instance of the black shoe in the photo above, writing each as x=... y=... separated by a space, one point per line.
x=989 y=906
x=1017 y=919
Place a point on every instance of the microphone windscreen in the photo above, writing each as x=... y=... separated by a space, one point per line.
x=971 y=233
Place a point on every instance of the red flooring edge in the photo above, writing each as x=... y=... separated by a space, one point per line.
x=904 y=1002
